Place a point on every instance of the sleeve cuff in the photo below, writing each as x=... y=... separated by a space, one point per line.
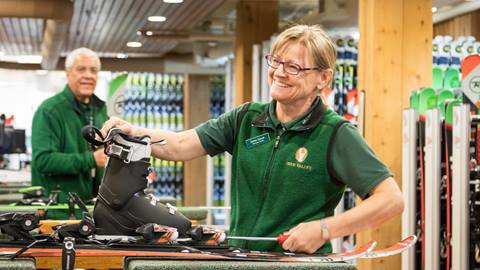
x=90 y=160
x=374 y=184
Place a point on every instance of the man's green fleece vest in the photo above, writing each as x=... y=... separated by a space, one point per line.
x=280 y=177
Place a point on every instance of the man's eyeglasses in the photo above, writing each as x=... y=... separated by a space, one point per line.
x=290 y=68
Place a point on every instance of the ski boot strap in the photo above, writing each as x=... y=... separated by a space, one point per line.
x=118 y=144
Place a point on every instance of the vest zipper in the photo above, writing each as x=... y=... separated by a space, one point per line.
x=266 y=180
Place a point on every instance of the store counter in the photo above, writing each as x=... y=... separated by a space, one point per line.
x=150 y=264
x=159 y=264
x=20 y=264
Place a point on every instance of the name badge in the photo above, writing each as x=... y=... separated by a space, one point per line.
x=257 y=140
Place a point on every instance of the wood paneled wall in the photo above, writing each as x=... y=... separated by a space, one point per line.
x=256 y=22
x=464 y=25
x=395 y=57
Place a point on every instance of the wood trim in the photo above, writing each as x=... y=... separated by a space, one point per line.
x=196 y=104
x=464 y=25
x=395 y=57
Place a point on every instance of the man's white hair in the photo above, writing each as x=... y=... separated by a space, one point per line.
x=73 y=55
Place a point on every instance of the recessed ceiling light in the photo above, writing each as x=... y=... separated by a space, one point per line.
x=434 y=9
x=122 y=55
x=134 y=44
x=173 y=1
x=156 y=19
x=149 y=33
x=139 y=32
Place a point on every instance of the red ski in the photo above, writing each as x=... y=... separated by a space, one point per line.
x=188 y=253
x=394 y=249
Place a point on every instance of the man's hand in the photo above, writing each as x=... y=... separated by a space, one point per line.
x=305 y=237
x=118 y=123
x=100 y=157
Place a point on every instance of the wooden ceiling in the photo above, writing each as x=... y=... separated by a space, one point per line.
x=52 y=28
x=21 y=36
x=105 y=26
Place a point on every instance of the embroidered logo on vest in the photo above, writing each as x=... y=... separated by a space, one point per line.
x=301 y=154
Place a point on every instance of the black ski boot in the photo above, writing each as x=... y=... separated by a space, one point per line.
x=122 y=205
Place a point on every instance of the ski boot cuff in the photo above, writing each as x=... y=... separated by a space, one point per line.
x=120 y=145
x=128 y=148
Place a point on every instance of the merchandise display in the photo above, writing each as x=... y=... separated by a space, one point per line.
x=344 y=99
x=155 y=100
x=442 y=194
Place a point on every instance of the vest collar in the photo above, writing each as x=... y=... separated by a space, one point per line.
x=267 y=118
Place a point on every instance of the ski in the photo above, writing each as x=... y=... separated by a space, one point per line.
x=466 y=239
x=219 y=252
x=394 y=249
x=188 y=253
x=426 y=100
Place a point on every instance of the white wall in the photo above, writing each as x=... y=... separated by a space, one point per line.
x=21 y=92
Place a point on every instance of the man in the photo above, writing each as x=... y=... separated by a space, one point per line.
x=61 y=158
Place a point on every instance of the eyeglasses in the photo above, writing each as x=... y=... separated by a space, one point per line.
x=290 y=68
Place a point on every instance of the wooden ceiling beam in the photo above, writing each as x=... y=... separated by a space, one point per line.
x=45 y=9
x=54 y=37
x=57 y=13
x=171 y=64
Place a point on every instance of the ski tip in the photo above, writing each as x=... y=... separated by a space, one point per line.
x=394 y=249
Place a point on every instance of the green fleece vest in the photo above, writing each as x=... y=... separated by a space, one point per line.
x=280 y=177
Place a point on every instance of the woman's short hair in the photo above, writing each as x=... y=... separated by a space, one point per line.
x=318 y=43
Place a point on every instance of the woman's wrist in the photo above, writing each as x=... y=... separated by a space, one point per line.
x=325 y=230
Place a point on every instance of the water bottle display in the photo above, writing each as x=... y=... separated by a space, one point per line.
x=217 y=107
x=155 y=100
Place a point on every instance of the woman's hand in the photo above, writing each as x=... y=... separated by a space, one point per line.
x=118 y=123
x=305 y=237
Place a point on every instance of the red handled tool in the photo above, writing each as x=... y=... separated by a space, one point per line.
x=280 y=239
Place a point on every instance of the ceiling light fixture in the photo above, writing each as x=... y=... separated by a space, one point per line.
x=149 y=33
x=156 y=19
x=173 y=1
x=41 y=72
x=122 y=56
x=434 y=9
x=29 y=59
x=134 y=44
x=22 y=59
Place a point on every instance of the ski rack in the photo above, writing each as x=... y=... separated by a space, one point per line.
x=432 y=189
x=460 y=240
x=409 y=168
x=460 y=187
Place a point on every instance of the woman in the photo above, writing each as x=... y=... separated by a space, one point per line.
x=292 y=157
